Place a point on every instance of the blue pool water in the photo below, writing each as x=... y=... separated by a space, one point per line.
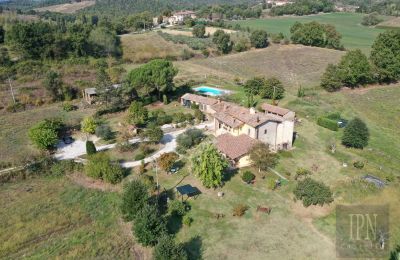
x=211 y=91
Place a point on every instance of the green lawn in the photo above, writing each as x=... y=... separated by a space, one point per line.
x=348 y=24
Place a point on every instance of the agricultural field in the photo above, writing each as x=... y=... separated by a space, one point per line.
x=139 y=48
x=391 y=23
x=349 y=25
x=68 y=8
x=295 y=65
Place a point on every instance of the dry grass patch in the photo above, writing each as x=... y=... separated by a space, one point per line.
x=394 y=22
x=293 y=64
x=141 y=48
x=68 y=8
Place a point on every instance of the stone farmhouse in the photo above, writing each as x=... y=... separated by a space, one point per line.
x=238 y=128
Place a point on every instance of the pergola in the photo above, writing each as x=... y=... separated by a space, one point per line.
x=188 y=191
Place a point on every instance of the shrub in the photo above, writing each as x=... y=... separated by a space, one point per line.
x=134 y=197
x=90 y=148
x=167 y=249
x=153 y=133
x=189 y=138
x=139 y=157
x=312 y=192
x=44 y=135
x=328 y=123
x=175 y=207
x=358 y=164
x=99 y=166
x=259 y=39
x=187 y=221
x=149 y=225
x=199 y=30
x=239 y=210
x=88 y=125
x=167 y=160
x=356 y=134
x=165 y=99
x=271 y=184
x=301 y=172
x=104 y=131
x=68 y=107
x=248 y=176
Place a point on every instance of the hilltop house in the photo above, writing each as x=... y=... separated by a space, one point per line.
x=237 y=127
x=179 y=17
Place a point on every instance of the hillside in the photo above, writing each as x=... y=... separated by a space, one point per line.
x=114 y=7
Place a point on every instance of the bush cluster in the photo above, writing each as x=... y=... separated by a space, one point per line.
x=100 y=166
x=248 y=176
x=312 y=192
x=328 y=123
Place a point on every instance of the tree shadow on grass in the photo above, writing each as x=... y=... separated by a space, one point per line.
x=194 y=248
x=229 y=173
x=174 y=224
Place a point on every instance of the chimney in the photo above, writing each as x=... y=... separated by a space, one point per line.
x=252 y=111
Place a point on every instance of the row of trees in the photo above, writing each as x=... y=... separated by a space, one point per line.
x=304 y=7
x=39 y=40
x=150 y=226
x=355 y=69
x=230 y=11
x=271 y=88
x=316 y=34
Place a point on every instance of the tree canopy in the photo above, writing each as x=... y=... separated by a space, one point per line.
x=385 y=56
x=155 y=76
x=262 y=157
x=167 y=249
x=312 y=192
x=316 y=34
x=134 y=196
x=149 y=225
x=356 y=134
x=137 y=113
x=44 y=135
x=199 y=30
x=209 y=165
x=223 y=41
x=259 y=39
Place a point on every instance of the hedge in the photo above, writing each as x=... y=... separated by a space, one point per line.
x=328 y=123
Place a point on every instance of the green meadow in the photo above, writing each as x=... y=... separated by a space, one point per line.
x=349 y=25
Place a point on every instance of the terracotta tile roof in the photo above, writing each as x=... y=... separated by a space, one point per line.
x=243 y=114
x=235 y=147
x=228 y=120
x=274 y=109
x=199 y=99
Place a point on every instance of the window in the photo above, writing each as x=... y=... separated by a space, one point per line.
x=265 y=131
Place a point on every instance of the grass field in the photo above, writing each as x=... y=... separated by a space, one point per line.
x=14 y=141
x=53 y=218
x=348 y=24
x=140 y=48
x=68 y=8
x=295 y=65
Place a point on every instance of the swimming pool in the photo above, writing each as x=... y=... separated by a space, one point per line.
x=211 y=91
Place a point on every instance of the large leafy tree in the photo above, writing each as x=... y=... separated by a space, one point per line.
x=356 y=134
x=153 y=133
x=312 y=192
x=53 y=84
x=167 y=160
x=259 y=39
x=272 y=88
x=104 y=42
x=199 y=30
x=355 y=69
x=209 y=165
x=137 y=113
x=44 y=135
x=262 y=157
x=223 y=41
x=134 y=198
x=155 y=76
x=252 y=88
x=385 y=55
x=331 y=80
x=149 y=225
x=167 y=249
